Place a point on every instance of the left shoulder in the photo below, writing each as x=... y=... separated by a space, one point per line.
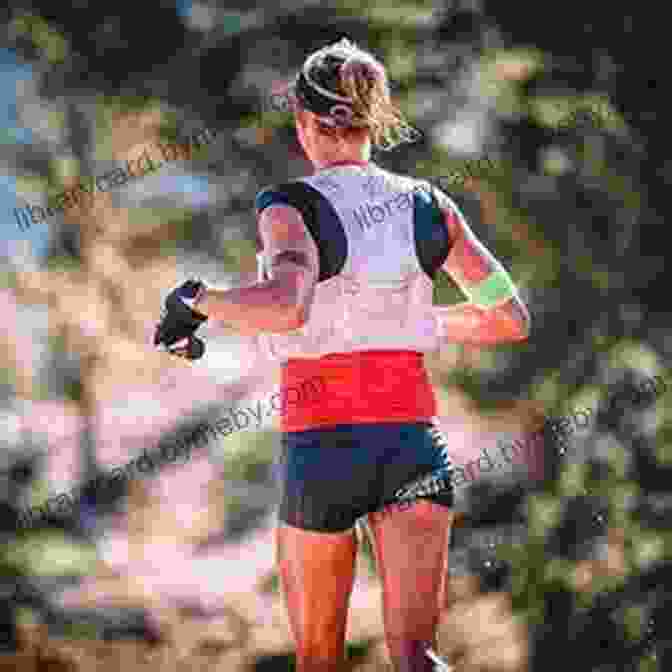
x=274 y=195
x=433 y=197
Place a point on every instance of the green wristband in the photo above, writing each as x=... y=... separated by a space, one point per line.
x=495 y=289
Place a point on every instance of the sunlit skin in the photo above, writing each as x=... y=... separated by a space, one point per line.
x=411 y=543
x=469 y=263
x=282 y=303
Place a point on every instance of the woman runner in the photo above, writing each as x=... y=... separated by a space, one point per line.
x=347 y=258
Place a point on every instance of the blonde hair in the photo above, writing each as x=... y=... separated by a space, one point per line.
x=356 y=86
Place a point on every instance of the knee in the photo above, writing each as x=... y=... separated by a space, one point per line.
x=415 y=623
x=310 y=659
x=409 y=655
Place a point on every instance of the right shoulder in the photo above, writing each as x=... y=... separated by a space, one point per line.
x=307 y=215
x=284 y=223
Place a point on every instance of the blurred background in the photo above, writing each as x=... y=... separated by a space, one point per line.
x=570 y=544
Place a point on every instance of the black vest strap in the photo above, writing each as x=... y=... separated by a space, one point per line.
x=319 y=217
x=432 y=240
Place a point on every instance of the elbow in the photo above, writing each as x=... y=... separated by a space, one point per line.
x=296 y=317
x=297 y=311
x=293 y=315
x=287 y=317
x=523 y=322
x=523 y=332
x=517 y=323
x=289 y=311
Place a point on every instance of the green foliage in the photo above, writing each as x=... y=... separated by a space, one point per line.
x=236 y=250
x=73 y=390
x=648 y=664
x=356 y=651
x=528 y=587
x=573 y=480
x=50 y=554
x=179 y=221
x=274 y=583
x=58 y=262
x=245 y=455
x=543 y=513
x=7 y=378
x=78 y=630
x=45 y=38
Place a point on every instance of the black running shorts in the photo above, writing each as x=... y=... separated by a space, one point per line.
x=331 y=477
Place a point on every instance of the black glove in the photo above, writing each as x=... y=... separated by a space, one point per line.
x=179 y=321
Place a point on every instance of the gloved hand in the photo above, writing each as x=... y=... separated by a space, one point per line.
x=175 y=331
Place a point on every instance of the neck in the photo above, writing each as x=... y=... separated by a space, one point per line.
x=357 y=154
x=320 y=165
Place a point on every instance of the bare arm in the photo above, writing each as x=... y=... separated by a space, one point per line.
x=494 y=313
x=282 y=302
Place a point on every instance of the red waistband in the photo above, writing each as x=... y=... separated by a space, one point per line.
x=357 y=387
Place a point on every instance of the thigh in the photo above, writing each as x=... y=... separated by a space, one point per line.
x=327 y=483
x=411 y=547
x=316 y=573
x=410 y=534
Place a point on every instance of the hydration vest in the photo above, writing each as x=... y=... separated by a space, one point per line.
x=380 y=237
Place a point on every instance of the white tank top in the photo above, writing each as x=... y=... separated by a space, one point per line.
x=378 y=296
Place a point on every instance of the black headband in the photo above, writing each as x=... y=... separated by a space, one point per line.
x=315 y=101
